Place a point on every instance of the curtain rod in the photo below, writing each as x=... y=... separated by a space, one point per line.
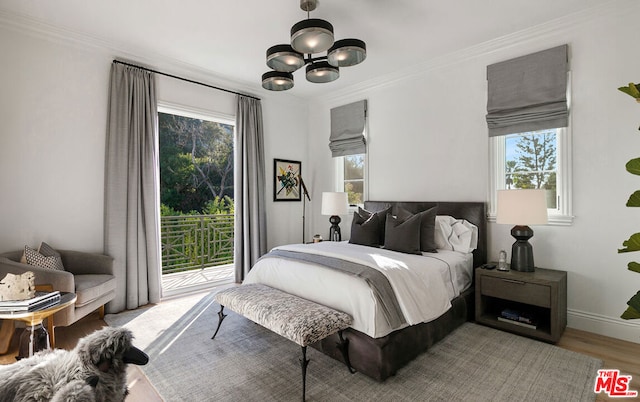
x=185 y=79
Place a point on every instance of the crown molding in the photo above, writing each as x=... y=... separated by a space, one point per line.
x=24 y=24
x=551 y=29
x=125 y=52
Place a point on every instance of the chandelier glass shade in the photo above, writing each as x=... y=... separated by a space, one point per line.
x=284 y=58
x=312 y=36
x=277 y=80
x=308 y=38
x=321 y=72
x=347 y=52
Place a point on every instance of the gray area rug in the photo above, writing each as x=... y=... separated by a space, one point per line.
x=249 y=363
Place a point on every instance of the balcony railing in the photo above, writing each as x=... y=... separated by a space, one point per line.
x=191 y=242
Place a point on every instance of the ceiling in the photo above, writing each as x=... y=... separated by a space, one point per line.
x=228 y=39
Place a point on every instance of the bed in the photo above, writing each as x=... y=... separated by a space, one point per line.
x=388 y=331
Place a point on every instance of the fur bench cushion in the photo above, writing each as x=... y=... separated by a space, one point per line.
x=297 y=319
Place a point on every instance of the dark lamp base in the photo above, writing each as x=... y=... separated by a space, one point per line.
x=334 y=230
x=522 y=251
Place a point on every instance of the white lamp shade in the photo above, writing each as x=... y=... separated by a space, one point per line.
x=522 y=207
x=335 y=203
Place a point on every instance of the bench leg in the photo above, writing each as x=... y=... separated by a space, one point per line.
x=343 y=346
x=221 y=317
x=304 y=362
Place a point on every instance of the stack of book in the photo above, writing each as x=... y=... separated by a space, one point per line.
x=518 y=318
x=40 y=301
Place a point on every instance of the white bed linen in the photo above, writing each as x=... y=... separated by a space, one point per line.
x=424 y=285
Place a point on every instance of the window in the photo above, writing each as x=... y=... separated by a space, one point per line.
x=348 y=146
x=520 y=156
x=196 y=164
x=538 y=159
x=351 y=177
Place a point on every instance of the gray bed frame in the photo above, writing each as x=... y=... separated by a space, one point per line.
x=380 y=358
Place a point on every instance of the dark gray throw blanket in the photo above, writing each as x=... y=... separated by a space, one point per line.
x=377 y=281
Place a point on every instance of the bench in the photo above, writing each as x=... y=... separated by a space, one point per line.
x=299 y=320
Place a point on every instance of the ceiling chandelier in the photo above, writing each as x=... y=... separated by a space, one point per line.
x=308 y=38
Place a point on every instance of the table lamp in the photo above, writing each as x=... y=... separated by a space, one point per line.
x=334 y=204
x=522 y=208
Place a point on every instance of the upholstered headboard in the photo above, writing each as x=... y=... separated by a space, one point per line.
x=474 y=212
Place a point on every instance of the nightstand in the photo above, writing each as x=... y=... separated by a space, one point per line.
x=542 y=294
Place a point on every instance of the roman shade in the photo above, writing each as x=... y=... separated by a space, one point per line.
x=528 y=93
x=347 y=129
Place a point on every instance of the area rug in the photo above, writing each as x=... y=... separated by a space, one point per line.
x=250 y=363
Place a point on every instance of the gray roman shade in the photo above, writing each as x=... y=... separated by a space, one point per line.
x=528 y=93
x=347 y=129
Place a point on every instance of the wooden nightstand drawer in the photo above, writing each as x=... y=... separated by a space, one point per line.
x=515 y=290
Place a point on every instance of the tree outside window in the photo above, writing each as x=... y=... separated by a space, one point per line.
x=354 y=178
x=531 y=162
x=196 y=163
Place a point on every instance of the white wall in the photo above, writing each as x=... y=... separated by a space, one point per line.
x=52 y=140
x=428 y=141
x=53 y=109
x=285 y=120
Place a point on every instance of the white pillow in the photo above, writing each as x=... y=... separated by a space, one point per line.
x=455 y=234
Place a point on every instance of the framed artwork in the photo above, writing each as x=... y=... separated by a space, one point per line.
x=286 y=185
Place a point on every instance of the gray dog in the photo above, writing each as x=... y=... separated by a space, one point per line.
x=95 y=371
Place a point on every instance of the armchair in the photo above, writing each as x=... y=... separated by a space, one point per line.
x=88 y=275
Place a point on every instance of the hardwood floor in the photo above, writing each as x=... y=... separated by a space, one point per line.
x=616 y=354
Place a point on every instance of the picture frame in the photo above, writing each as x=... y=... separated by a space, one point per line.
x=286 y=180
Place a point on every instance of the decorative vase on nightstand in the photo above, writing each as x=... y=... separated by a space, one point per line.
x=502 y=261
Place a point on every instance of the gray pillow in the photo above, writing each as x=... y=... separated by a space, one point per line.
x=365 y=231
x=382 y=219
x=403 y=235
x=427 y=227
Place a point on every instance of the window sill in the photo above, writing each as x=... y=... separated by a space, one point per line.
x=554 y=220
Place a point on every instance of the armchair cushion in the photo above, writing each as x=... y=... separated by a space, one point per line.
x=90 y=287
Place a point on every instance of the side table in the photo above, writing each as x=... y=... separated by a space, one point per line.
x=543 y=293
x=35 y=337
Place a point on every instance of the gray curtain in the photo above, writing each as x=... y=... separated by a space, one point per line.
x=528 y=93
x=131 y=225
x=250 y=240
x=347 y=129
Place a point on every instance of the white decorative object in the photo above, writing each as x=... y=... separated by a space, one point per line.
x=17 y=287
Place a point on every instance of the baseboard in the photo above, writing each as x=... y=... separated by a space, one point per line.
x=628 y=330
